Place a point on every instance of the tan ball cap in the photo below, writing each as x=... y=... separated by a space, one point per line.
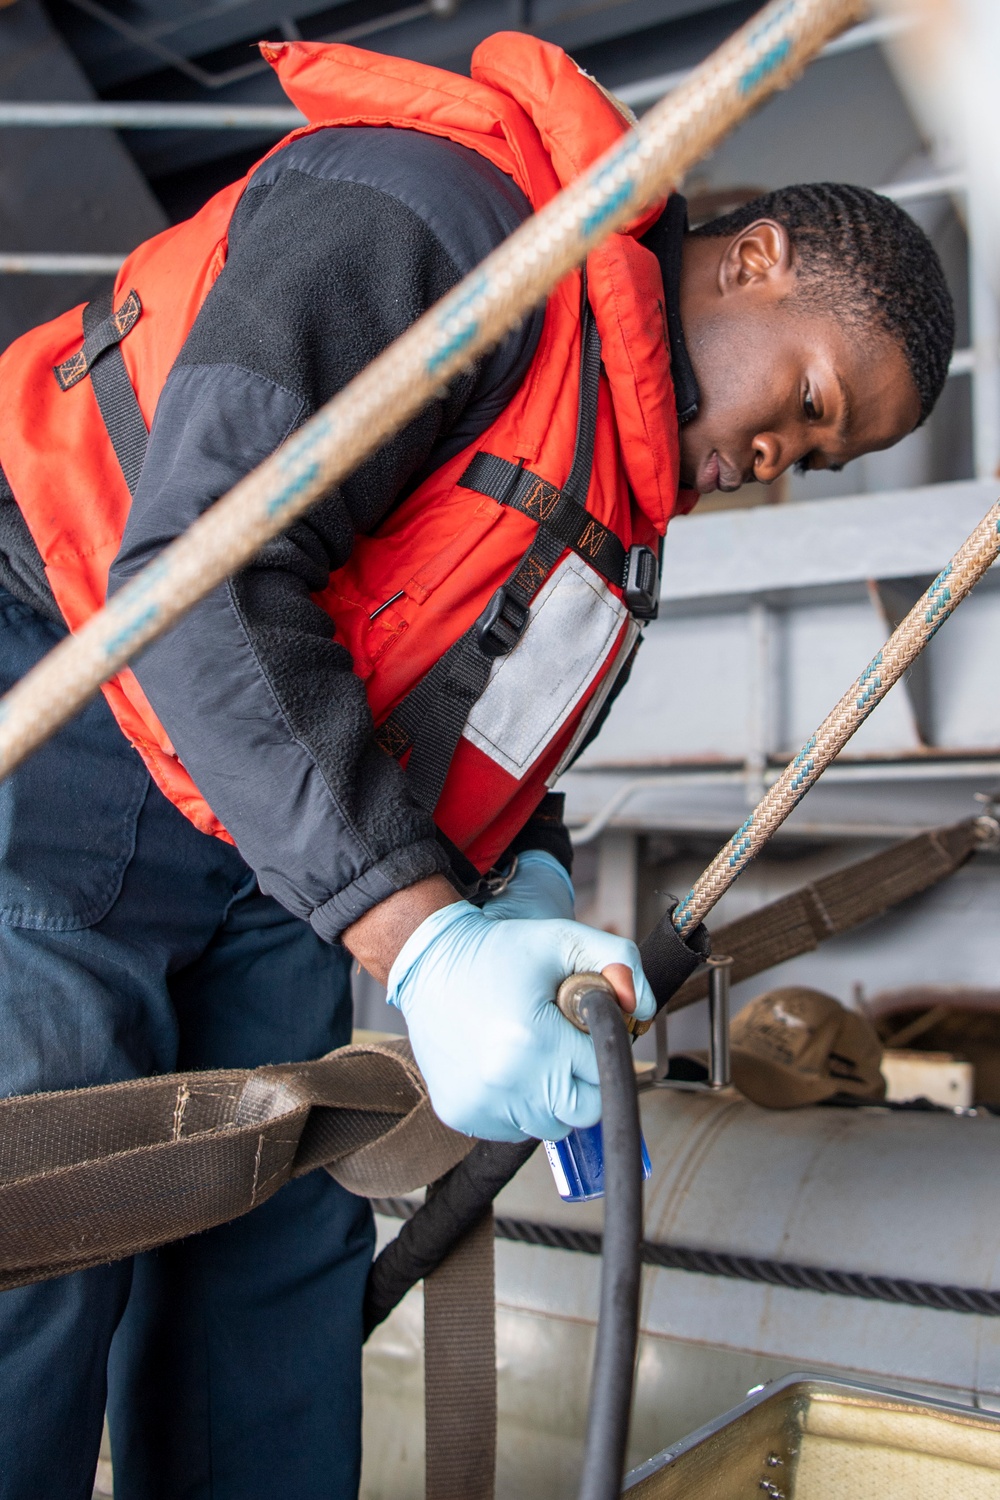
x=796 y=1046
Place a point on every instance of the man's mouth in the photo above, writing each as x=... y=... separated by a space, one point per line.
x=715 y=474
x=708 y=475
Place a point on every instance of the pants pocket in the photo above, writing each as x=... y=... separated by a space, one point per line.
x=68 y=813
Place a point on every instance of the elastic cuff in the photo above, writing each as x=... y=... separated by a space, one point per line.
x=546 y=830
x=399 y=869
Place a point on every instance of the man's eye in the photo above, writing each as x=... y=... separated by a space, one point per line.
x=809 y=406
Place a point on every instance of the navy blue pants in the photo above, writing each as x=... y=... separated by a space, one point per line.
x=131 y=944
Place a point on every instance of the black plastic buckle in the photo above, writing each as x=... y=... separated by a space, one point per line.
x=501 y=624
x=642 y=583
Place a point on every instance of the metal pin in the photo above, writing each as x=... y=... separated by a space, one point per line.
x=662 y=1066
x=719 y=969
x=376 y=612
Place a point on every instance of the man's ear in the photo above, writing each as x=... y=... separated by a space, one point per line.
x=760 y=255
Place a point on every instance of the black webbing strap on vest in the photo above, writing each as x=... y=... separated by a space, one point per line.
x=101 y=359
x=561 y=512
x=430 y=720
x=552 y=508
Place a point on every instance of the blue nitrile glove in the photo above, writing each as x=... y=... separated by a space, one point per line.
x=500 y=1061
x=539 y=887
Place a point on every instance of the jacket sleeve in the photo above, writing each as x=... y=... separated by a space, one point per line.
x=259 y=699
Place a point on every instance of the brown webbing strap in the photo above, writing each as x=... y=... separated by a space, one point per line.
x=798 y=923
x=93 y=1175
x=460 y=1378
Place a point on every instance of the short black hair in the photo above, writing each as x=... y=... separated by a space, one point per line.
x=862 y=256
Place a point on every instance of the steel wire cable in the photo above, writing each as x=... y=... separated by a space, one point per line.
x=639 y=169
x=834 y=1281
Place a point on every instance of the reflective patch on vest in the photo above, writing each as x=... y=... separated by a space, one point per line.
x=574 y=624
x=590 y=714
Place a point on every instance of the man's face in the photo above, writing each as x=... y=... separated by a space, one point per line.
x=781 y=384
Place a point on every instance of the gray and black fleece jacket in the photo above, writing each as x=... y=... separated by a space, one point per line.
x=339 y=243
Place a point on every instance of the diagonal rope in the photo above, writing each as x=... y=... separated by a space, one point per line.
x=763 y=56
x=902 y=648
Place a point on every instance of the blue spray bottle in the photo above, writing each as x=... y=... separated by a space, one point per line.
x=577 y=1161
x=577 y=1164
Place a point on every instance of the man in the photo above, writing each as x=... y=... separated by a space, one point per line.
x=358 y=730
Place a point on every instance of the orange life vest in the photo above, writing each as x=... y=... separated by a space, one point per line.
x=413 y=603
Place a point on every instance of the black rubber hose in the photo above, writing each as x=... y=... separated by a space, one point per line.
x=455 y=1206
x=618 y=1322
x=461 y=1198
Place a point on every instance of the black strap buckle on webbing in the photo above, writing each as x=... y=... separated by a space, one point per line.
x=642 y=583
x=501 y=624
x=104 y=327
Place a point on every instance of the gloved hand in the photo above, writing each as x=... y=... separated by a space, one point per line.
x=500 y=1060
x=540 y=887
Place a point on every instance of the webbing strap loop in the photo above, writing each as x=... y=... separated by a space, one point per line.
x=92 y=1175
x=101 y=358
x=103 y=328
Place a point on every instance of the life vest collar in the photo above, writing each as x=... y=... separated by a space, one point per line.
x=513 y=75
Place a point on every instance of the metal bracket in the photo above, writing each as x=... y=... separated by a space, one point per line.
x=719 y=973
x=988 y=822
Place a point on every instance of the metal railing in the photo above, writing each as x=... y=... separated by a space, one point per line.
x=980 y=361
x=42 y=264
x=282 y=117
x=93 y=114
x=147 y=39
x=646 y=91
x=963 y=362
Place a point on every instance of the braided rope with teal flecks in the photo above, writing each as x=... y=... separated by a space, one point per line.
x=642 y=166
x=899 y=652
